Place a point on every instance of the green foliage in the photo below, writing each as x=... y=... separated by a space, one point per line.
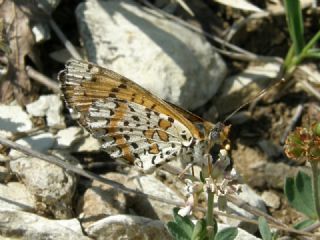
x=295 y=24
x=200 y=230
x=182 y=228
x=227 y=234
x=299 y=192
x=299 y=50
x=264 y=229
x=304 y=223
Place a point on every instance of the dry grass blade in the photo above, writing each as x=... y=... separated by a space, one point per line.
x=185 y=7
x=240 y=4
x=39 y=77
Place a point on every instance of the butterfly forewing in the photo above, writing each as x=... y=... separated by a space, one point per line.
x=131 y=123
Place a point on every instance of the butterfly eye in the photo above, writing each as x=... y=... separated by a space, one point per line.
x=216 y=132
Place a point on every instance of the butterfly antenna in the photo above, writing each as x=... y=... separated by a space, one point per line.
x=260 y=94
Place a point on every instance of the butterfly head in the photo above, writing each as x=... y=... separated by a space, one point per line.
x=219 y=133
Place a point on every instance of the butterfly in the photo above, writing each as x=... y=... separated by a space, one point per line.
x=132 y=124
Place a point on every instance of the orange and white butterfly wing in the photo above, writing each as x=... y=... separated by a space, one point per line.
x=131 y=123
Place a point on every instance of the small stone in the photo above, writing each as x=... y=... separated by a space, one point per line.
x=88 y=144
x=49 y=106
x=150 y=208
x=4 y=173
x=24 y=225
x=128 y=227
x=13 y=119
x=101 y=200
x=41 y=32
x=15 y=196
x=242 y=87
x=41 y=143
x=48 y=5
x=253 y=199
x=68 y=137
x=271 y=199
x=270 y=148
x=50 y=184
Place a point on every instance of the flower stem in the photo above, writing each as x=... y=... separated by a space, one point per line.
x=315 y=185
x=210 y=224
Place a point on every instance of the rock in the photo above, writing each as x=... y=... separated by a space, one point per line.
x=23 y=225
x=41 y=32
x=4 y=173
x=242 y=234
x=275 y=173
x=50 y=184
x=150 y=208
x=243 y=87
x=171 y=61
x=128 y=227
x=48 y=5
x=101 y=200
x=271 y=199
x=41 y=143
x=49 y=106
x=271 y=149
x=88 y=144
x=250 y=164
x=257 y=171
x=253 y=199
x=15 y=196
x=69 y=136
x=13 y=119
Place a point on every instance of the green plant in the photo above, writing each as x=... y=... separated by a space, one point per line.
x=182 y=228
x=303 y=191
x=214 y=181
x=264 y=230
x=299 y=50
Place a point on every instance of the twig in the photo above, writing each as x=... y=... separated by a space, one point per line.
x=254 y=211
x=242 y=22
x=69 y=46
x=308 y=87
x=311 y=227
x=69 y=167
x=293 y=122
x=41 y=78
x=275 y=223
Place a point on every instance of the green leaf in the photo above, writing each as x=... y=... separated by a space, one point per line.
x=215 y=228
x=295 y=24
x=264 y=229
x=200 y=230
x=316 y=129
x=299 y=194
x=184 y=222
x=177 y=232
x=304 y=223
x=202 y=177
x=313 y=53
x=227 y=234
x=312 y=42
